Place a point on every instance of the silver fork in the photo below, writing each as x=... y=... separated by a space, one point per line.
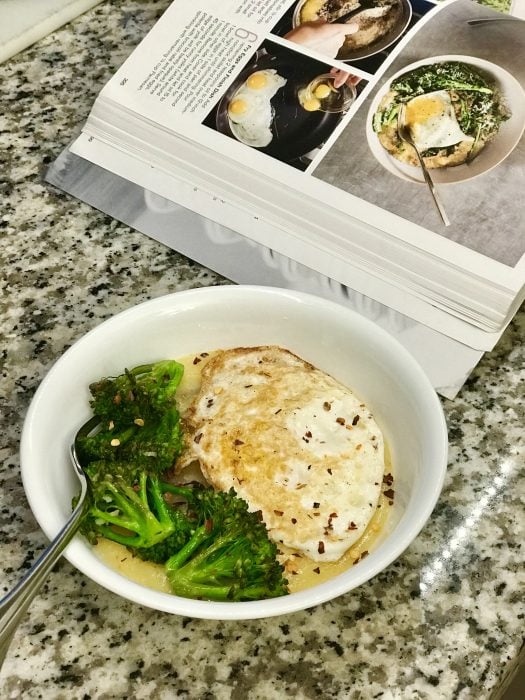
x=14 y=605
x=485 y=20
x=404 y=134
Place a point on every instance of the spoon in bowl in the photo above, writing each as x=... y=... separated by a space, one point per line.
x=404 y=134
x=15 y=603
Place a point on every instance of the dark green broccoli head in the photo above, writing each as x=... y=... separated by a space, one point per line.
x=153 y=444
x=137 y=394
x=229 y=556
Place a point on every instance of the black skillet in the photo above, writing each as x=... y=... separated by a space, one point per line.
x=296 y=132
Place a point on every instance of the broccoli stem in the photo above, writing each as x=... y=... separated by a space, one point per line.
x=453 y=85
x=178 y=560
x=131 y=510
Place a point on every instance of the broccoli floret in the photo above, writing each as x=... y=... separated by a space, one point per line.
x=135 y=516
x=145 y=389
x=154 y=445
x=135 y=418
x=159 y=553
x=212 y=547
x=229 y=556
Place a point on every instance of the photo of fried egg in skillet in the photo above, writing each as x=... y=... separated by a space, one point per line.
x=261 y=109
x=250 y=111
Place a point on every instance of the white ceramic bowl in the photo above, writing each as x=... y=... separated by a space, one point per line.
x=335 y=339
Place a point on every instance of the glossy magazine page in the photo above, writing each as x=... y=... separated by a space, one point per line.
x=255 y=84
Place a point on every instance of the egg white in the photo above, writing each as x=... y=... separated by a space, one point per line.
x=253 y=125
x=293 y=442
x=433 y=122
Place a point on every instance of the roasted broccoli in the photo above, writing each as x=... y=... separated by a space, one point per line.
x=229 y=556
x=135 y=418
x=212 y=547
x=135 y=515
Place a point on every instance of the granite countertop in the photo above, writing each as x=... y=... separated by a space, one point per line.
x=443 y=621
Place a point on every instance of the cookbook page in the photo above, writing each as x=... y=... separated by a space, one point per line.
x=309 y=93
x=186 y=190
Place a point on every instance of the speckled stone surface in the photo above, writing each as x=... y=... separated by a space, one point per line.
x=444 y=621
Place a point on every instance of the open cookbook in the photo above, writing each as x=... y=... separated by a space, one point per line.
x=310 y=128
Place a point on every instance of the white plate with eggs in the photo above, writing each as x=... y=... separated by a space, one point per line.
x=493 y=153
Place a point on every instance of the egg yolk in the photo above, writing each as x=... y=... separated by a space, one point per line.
x=312 y=104
x=257 y=81
x=322 y=91
x=237 y=107
x=423 y=109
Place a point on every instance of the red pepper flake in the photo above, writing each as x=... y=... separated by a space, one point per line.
x=320 y=547
x=309 y=467
x=278 y=512
x=352 y=526
x=316 y=504
x=329 y=471
x=208 y=525
x=308 y=434
x=238 y=442
x=333 y=515
x=389 y=493
x=327 y=406
x=364 y=554
x=196 y=360
x=317 y=570
x=294 y=520
x=355 y=420
x=340 y=420
x=388 y=479
x=197 y=438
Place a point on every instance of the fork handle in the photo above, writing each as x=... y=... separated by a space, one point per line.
x=15 y=603
x=432 y=188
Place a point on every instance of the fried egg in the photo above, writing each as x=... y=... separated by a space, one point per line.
x=433 y=122
x=250 y=112
x=293 y=442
